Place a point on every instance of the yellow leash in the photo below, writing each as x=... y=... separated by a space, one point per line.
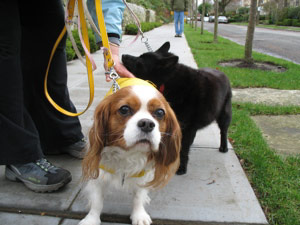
x=107 y=55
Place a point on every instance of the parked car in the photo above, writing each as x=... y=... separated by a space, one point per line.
x=211 y=18
x=222 y=19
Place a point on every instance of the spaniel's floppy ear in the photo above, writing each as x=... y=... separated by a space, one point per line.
x=97 y=139
x=167 y=158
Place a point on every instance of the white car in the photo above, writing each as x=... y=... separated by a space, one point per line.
x=222 y=19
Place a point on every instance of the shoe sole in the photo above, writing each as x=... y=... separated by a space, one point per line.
x=74 y=153
x=12 y=176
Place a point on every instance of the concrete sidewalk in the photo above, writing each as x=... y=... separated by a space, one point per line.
x=214 y=191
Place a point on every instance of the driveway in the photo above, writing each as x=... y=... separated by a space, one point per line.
x=278 y=43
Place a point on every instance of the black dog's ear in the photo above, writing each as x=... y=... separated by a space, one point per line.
x=169 y=61
x=164 y=48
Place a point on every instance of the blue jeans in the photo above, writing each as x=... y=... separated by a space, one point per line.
x=178 y=20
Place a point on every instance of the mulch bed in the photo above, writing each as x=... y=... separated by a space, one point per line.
x=240 y=63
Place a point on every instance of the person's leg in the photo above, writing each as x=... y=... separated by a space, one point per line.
x=18 y=136
x=181 y=22
x=176 y=21
x=20 y=147
x=41 y=26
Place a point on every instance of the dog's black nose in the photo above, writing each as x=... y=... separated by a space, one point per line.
x=146 y=125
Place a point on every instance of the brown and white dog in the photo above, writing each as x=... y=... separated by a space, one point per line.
x=134 y=145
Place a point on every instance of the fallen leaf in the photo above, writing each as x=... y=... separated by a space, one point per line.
x=213 y=181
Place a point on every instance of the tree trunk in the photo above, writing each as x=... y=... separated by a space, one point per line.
x=216 y=21
x=250 y=32
x=202 y=16
x=196 y=13
x=258 y=11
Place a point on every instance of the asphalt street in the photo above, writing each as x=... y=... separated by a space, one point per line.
x=278 y=43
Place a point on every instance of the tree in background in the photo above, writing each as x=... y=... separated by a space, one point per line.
x=250 y=32
x=202 y=16
x=222 y=6
x=216 y=7
x=161 y=7
x=208 y=8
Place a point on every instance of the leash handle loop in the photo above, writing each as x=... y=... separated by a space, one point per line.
x=71 y=5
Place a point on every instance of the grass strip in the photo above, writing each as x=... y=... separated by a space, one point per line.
x=262 y=109
x=209 y=54
x=276 y=180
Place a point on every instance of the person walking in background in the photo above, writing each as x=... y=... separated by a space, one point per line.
x=179 y=7
x=29 y=125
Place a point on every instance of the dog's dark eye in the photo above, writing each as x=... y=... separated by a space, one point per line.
x=125 y=110
x=159 y=113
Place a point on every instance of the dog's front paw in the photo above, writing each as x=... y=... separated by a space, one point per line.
x=90 y=220
x=140 y=218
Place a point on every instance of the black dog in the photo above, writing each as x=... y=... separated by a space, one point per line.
x=198 y=97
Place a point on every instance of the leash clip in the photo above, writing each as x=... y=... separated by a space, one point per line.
x=145 y=41
x=114 y=76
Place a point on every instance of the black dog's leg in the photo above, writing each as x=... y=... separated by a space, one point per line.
x=224 y=122
x=188 y=136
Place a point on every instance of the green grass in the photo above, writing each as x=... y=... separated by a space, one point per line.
x=208 y=54
x=275 y=27
x=274 y=178
x=262 y=109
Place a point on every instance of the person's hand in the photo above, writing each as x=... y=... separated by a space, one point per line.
x=172 y=13
x=119 y=67
x=186 y=13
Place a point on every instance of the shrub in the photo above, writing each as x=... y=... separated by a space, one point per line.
x=265 y=22
x=294 y=13
x=132 y=29
x=262 y=17
x=236 y=18
x=295 y=22
x=70 y=51
x=243 y=10
x=279 y=23
x=287 y=22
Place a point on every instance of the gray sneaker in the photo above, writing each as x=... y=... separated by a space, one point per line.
x=76 y=150
x=39 y=176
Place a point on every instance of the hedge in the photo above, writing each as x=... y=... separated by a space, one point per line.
x=132 y=29
x=69 y=48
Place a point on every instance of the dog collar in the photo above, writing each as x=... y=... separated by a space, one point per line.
x=125 y=82
x=162 y=88
x=111 y=171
